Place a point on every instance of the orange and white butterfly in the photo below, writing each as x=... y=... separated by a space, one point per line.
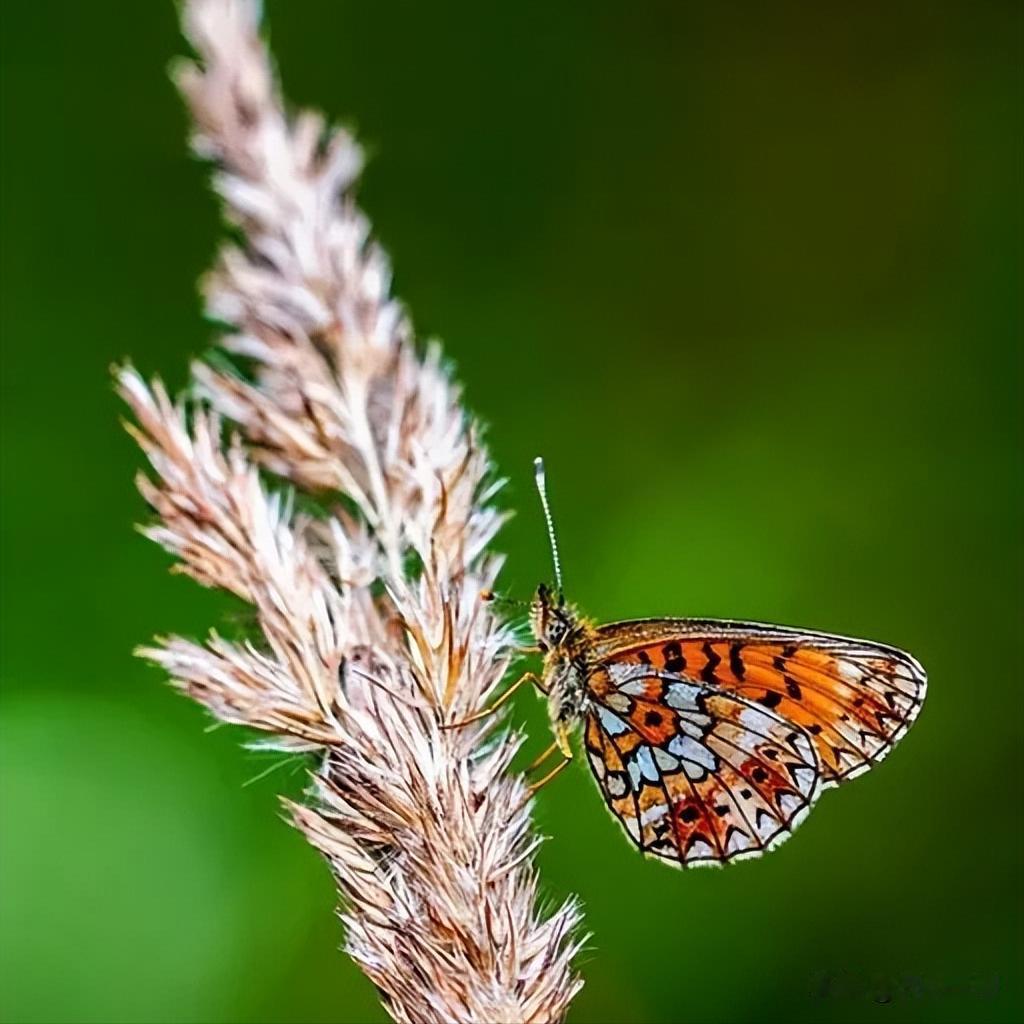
x=711 y=739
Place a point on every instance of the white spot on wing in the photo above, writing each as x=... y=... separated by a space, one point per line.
x=616 y=784
x=665 y=761
x=788 y=802
x=611 y=723
x=629 y=677
x=694 y=723
x=682 y=696
x=850 y=672
x=758 y=721
x=691 y=750
x=802 y=745
x=804 y=778
x=635 y=687
x=646 y=763
x=738 y=840
x=653 y=813
x=700 y=849
x=617 y=702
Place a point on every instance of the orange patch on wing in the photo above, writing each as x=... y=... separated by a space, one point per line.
x=655 y=722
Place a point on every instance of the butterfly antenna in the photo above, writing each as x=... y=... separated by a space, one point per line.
x=542 y=490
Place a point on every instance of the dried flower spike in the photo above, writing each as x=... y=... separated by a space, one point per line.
x=375 y=621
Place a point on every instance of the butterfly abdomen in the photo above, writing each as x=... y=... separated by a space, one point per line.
x=565 y=681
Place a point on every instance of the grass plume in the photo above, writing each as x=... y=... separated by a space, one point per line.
x=362 y=658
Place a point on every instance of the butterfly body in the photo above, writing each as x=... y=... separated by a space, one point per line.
x=564 y=638
x=711 y=739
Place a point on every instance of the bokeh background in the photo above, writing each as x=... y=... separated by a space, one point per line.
x=748 y=275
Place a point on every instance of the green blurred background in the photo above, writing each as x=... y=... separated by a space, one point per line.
x=747 y=275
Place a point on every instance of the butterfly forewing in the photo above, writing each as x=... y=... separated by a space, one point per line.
x=855 y=698
x=710 y=740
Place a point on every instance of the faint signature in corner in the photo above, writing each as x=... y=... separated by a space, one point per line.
x=849 y=985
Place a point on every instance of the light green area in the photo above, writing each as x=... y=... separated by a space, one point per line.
x=746 y=275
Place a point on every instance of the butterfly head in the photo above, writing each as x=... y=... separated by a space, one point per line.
x=551 y=619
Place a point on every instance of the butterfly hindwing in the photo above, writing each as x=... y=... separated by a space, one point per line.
x=855 y=698
x=693 y=775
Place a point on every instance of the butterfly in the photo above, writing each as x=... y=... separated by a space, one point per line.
x=711 y=739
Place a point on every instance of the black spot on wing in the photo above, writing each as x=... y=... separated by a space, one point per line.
x=707 y=673
x=674 y=660
x=736 y=661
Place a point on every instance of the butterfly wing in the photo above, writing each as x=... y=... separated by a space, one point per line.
x=708 y=732
x=854 y=697
x=694 y=776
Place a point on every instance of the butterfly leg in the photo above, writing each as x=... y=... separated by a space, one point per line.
x=537 y=762
x=561 y=743
x=533 y=788
x=525 y=677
